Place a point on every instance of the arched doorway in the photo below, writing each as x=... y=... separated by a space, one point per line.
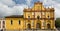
x=29 y=26
x=48 y=26
x=38 y=26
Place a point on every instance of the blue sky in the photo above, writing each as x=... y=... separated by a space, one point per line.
x=25 y=2
x=15 y=7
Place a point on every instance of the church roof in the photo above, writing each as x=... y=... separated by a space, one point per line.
x=14 y=16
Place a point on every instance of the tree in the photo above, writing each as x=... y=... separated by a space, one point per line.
x=57 y=22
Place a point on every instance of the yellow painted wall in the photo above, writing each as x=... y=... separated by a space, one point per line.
x=15 y=24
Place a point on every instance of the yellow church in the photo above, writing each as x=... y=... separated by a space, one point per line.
x=37 y=17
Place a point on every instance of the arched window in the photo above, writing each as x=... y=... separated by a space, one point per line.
x=38 y=17
x=28 y=17
x=48 y=17
x=19 y=22
x=11 y=22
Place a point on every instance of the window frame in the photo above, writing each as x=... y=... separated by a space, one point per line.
x=11 y=22
x=19 y=22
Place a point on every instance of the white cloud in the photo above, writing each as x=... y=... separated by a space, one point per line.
x=16 y=10
x=19 y=9
x=5 y=10
x=8 y=2
x=28 y=2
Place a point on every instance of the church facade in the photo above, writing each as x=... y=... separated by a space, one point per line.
x=37 y=17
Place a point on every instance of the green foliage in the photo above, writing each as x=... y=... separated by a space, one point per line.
x=57 y=22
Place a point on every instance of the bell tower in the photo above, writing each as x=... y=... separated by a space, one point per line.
x=38 y=6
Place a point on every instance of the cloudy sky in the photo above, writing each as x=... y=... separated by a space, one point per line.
x=15 y=7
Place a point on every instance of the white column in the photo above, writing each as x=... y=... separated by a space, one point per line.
x=43 y=24
x=32 y=24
